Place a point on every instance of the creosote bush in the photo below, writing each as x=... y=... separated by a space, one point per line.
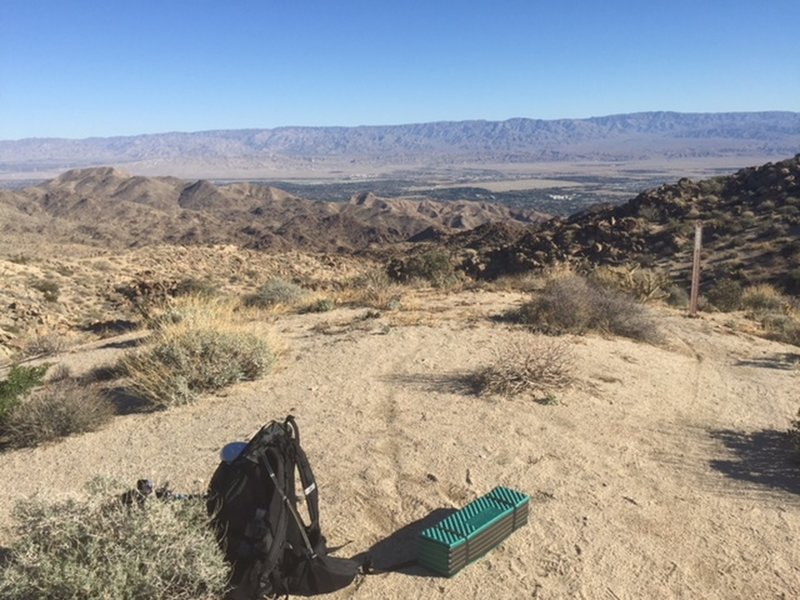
x=99 y=548
x=726 y=295
x=531 y=365
x=432 y=266
x=275 y=292
x=57 y=410
x=575 y=304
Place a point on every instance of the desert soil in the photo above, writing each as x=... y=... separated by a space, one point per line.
x=663 y=472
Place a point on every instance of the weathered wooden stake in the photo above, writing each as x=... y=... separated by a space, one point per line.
x=698 y=246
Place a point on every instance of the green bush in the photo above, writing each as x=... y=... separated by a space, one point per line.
x=726 y=295
x=98 y=548
x=183 y=364
x=274 y=292
x=573 y=304
x=56 y=411
x=433 y=266
x=20 y=381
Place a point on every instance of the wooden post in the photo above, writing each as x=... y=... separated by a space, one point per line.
x=698 y=246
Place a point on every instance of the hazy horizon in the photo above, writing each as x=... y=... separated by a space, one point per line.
x=87 y=68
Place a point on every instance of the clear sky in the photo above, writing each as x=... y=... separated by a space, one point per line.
x=80 y=68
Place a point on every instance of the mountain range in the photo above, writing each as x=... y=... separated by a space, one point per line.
x=107 y=207
x=626 y=137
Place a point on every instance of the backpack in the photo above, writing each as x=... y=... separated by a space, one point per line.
x=253 y=505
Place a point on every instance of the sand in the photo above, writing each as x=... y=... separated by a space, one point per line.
x=662 y=472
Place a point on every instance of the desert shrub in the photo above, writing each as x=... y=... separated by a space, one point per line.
x=725 y=295
x=373 y=288
x=274 y=292
x=791 y=281
x=763 y=297
x=677 y=296
x=49 y=288
x=19 y=382
x=781 y=326
x=190 y=311
x=194 y=286
x=574 y=304
x=186 y=362
x=99 y=548
x=648 y=212
x=57 y=410
x=531 y=365
x=20 y=259
x=318 y=306
x=44 y=344
x=433 y=266
x=644 y=284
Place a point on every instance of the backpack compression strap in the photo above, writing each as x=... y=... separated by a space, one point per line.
x=288 y=504
x=310 y=490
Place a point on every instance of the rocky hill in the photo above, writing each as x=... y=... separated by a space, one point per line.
x=662 y=135
x=106 y=207
x=751 y=230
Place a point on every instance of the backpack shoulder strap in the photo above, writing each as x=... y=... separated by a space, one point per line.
x=310 y=490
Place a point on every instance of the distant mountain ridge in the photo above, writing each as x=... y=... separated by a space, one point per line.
x=617 y=137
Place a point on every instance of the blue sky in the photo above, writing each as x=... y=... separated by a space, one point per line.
x=80 y=68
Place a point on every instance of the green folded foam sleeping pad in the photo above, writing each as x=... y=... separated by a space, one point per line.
x=468 y=534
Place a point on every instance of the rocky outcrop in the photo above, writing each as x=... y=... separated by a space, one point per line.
x=751 y=229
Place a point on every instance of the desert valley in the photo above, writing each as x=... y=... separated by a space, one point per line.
x=444 y=309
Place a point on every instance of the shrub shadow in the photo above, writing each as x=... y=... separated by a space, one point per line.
x=397 y=553
x=111 y=327
x=444 y=383
x=786 y=361
x=5 y=556
x=126 y=402
x=124 y=344
x=763 y=457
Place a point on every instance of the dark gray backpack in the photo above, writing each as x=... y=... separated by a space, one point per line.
x=253 y=504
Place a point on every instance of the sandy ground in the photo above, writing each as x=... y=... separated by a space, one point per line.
x=662 y=473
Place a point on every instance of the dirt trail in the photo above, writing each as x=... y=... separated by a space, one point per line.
x=661 y=474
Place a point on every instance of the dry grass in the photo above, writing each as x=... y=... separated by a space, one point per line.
x=44 y=344
x=763 y=297
x=777 y=314
x=202 y=346
x=643 y=284
x=533 y=365
x=373 y=289
x=98 y=548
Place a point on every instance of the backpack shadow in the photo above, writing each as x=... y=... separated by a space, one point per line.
x=398 y=552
